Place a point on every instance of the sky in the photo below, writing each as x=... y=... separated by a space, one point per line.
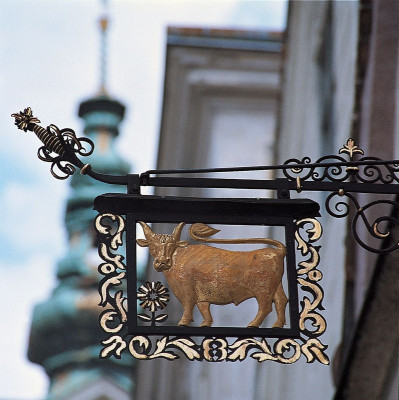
x=49 y=60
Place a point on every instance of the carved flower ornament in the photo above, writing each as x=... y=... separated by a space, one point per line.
x=153 y=296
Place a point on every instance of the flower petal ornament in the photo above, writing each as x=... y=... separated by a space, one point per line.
x=153 y=296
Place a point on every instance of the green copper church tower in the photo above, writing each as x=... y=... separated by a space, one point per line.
x=65 y=334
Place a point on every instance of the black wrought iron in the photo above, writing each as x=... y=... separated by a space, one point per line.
x=215 y=344
x=332 y=173
x=61 y=147
x=379 y=229
x=365 y=170
x=127 y=328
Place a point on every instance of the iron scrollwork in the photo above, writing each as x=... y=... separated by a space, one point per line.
x=378 y=229
x=67 y=139
x=60 y=146
x=154 y=296
x=365 y=170
x=335 y=168
x=332 y=173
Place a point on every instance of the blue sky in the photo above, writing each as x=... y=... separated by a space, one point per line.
x=49 y=60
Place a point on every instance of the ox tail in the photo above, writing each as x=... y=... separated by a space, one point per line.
x=202 y=232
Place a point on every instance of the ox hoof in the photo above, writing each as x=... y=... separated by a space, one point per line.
x=251 y=325
x=206 y=324
x=278 y=325
x=184 y=323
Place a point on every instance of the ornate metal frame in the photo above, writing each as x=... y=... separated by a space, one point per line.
x=341 y=177
x=214 y=346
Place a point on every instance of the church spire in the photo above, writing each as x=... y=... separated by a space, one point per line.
x=103 y=23
x=65 y=333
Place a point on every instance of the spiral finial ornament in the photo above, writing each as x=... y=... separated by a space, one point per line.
x=60 y=145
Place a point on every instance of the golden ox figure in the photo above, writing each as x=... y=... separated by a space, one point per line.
x=202 y=275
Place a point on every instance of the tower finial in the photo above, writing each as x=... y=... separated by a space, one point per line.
x=104 y=23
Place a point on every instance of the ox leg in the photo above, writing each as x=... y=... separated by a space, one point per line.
x=187 y=316
x=280 y=302
x=204 y=308
x=264 y=308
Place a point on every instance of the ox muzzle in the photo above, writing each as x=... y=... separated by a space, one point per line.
x=161 y=265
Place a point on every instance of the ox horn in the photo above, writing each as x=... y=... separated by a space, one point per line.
x=177 y=231
x=147 y=230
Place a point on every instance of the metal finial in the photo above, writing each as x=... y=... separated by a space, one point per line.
x=350 y=148
x=60 y=146
x=25 y=118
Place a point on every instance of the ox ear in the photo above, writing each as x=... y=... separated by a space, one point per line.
x=182 y=243
x=142 y=242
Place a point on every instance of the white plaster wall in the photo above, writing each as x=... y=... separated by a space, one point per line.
x=219 y=110
x=300 y=136
x=242 y=133
x=206 y=126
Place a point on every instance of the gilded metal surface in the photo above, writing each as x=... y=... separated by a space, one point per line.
x=201 y=275
x=350 y=148
x=377 y=232
x=286 y=351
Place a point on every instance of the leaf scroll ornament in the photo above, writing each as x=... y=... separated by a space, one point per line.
x=308 y=276
x=113 y=320
x=164 y=348
x=202 y=231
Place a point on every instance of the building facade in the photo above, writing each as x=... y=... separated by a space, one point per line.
x=336 y=78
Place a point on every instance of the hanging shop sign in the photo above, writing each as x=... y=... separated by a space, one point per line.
x=199 y=274
x=198 y=265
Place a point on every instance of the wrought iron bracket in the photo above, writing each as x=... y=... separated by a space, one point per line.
x=341 y=175
x=135 y=326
